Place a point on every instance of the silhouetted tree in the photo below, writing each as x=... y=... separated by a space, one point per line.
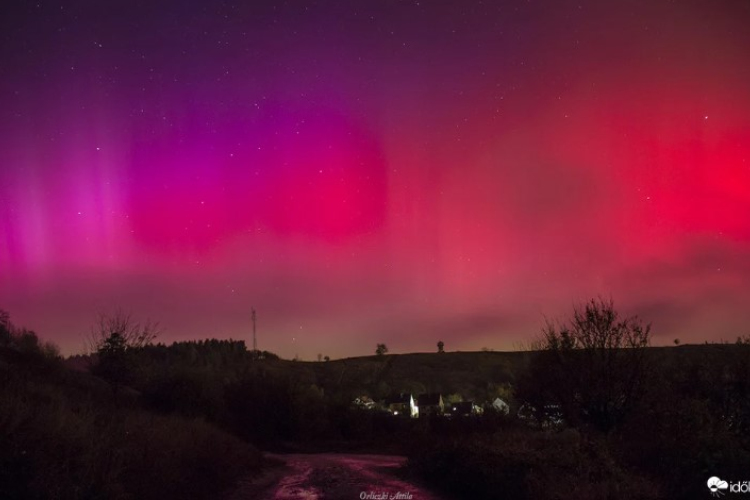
x=593 y=367
x=381 y=349
x=5 y=328
x=134 y=334
x=113 y=339
x=441 y=345
x=23 y=340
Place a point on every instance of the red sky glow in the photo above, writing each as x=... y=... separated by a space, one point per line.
x=364 y=172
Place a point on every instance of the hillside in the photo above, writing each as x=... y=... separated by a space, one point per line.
x=64 y=435
x=473 y=375
x=184 y=420
x=477 y=376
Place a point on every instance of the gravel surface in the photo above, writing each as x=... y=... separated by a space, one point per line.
x=333 y=476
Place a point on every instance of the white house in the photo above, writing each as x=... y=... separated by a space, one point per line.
x=500 y=406
x=403 y=404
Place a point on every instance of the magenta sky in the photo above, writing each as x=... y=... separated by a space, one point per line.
x=379 y=171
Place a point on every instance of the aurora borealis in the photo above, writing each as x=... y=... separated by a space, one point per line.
x=376 y=171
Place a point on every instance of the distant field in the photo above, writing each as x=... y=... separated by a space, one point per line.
x=477 y=376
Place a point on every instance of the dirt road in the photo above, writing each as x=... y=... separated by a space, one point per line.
x=333 y=476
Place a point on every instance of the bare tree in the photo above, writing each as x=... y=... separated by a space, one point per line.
x=593 y=367
x=113 y=338
x=381 y=349
x=133 y=334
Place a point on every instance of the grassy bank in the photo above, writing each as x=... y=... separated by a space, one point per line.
x=523 y=463
x=64 y=436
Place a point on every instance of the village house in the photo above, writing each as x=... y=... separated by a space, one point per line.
x=500 y=406
x=364 y=402
x=465 y=409
x=431 y=404
x=402 y=404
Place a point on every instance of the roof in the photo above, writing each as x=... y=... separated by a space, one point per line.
x=462 y=407
x=429 y=400
x=399 y=399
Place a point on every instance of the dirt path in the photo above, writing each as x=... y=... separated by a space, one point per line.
x=333 y=476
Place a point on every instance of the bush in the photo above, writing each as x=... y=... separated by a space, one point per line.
x=694 y=418
x=62 y=437
x=593 y=368
x=526 y=464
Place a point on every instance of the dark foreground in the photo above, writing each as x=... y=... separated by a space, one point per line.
x=334 y=476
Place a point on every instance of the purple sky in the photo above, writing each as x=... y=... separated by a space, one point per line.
x=376 y=171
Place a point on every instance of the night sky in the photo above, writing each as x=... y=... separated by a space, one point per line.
x=374 y=171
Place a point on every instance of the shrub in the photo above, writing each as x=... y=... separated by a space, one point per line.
x=526 y=464
x=62 y=437
x=594 y=367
